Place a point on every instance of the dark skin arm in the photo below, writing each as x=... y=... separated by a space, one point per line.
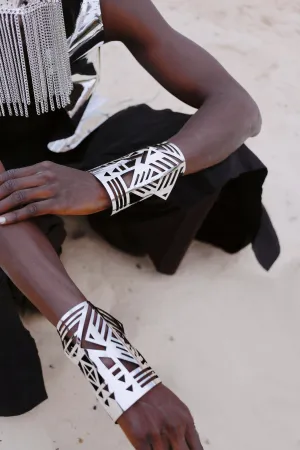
x=159 y=419
x=227 y=115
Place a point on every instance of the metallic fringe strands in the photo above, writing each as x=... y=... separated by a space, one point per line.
x=34 y=60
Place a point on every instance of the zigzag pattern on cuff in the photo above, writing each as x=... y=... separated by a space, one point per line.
x=139 y=175
x=95 y=341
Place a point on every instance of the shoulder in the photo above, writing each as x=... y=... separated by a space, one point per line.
x=131 y=20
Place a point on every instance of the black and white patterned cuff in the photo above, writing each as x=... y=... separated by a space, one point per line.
x=96 y=342
x=139 y=175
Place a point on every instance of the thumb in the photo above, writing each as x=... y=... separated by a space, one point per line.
x=2 y=169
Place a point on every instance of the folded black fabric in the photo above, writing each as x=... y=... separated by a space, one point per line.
x=221 y=205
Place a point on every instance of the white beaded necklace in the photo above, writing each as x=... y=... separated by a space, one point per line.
x=33 y=52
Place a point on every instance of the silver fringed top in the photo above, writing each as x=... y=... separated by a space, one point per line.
x=33 y=56
x=51 y=62
x=85 y=37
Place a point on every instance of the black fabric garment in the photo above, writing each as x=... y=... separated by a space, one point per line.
x=22 y=386
x=220 y=205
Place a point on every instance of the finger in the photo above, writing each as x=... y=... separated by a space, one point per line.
x=143 y=446
x=193 y=439
x=178 y=444
x=28 y=212
x=18 y=184
x=158 y=443
x=24 y=196
x=176 y=437
x=18 y=173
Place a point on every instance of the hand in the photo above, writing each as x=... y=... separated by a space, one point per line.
x=160 y=421
x=49 y=188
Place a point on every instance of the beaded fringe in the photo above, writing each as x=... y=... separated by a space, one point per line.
x=33 y=56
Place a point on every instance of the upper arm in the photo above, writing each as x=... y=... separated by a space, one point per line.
x=181 y=66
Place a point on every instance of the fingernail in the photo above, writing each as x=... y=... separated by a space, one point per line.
x=2 y=220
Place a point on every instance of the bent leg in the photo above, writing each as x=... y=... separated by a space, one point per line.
x=230 y=191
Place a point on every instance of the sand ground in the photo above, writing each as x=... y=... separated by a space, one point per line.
x=222 y=333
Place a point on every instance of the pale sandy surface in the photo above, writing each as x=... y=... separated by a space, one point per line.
x=235 y=327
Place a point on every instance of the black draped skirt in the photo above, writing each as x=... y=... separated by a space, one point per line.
x=220 y=205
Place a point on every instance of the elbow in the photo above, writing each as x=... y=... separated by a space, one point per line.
x=250 y=115
x=257 y=123
x=241 y=110
x=255 y=119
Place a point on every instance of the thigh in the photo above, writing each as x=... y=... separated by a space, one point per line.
x=225 y=197
x=127 y=131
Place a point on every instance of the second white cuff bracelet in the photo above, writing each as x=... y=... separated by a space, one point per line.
x=139 y=175
x=95 y=341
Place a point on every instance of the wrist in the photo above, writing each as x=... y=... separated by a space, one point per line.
x=99 y=193
x=105 y=199
x=135 y=177
x=96 y=342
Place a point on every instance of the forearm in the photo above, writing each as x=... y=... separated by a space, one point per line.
x=222 y=124
x=32 y=264
x=92 y=339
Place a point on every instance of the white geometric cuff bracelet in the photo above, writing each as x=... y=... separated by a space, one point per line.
x=141 y=174
x=95 y=341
